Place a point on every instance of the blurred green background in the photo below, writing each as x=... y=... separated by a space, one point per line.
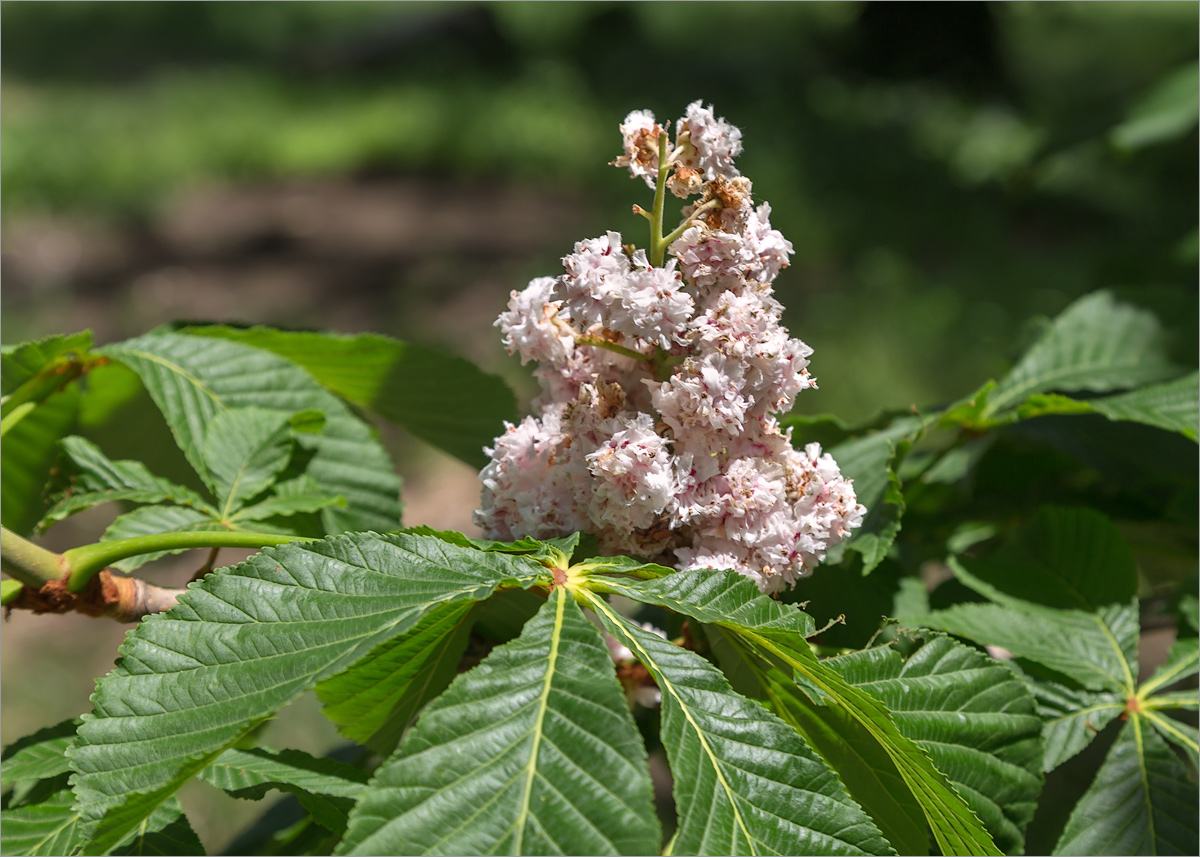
x=947 y=173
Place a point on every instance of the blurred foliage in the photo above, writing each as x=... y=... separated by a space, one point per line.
x=945 y=171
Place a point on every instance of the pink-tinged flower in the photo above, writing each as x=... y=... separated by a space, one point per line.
x=639 y=136
x=534 y=327
x=712 y=143
x=653 y=305
x=705 y=395
x=594 y=280
x=526 y=492
x=674 y=455
x=632 y=479
x=739 y=252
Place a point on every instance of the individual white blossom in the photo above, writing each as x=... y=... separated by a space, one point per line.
x=532 y=327
x=639 y=133
x=654 y=428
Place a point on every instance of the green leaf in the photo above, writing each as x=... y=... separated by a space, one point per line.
x=27 y=454
x=374 y=701
x=776 y=631
x=1096 y=344
x=326 y=788
x=38 y=756
x=442 y=399
x=152 y=520
x=293 y=497
x=861 y=763
x=40 y=405
x=533 y=751
x=1142 y=801
x=166 y=831
x=1183 y=735
x=723 y=598
x=866 y=459
x=972 y=716
x=1183 y=662
x=1174 y=406
x=97 y=479
x=871 y=462
x=1071 y=717
x=19 y=363
x=1073 y=558
x=1168 y=112
x=244 y=450
x=1098 y=650
x=881 y=525
x=745 y=782
x=50 y=827
x=192 y=379
x=244 y=642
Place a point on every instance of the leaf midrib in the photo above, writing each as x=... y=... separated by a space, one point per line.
x=542 y=704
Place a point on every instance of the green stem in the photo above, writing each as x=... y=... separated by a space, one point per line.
x=658 y=247
x=691 y=218
x=613 y=347
x=22 y=560
x=84 y=562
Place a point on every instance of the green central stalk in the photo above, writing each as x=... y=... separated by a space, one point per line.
x=658 y=246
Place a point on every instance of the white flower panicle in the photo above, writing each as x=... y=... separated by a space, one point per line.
x=660 y=370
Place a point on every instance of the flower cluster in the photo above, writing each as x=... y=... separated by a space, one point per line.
x=660 y=370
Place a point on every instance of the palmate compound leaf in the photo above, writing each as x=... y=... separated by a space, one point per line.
x=192 y=379
x=442 y=399
x=532 y=752
x=974 y=718
x=745 y=781
x=1142 y=801
x=777 y=631
x=1071 y=717
x=1096 y=344
x=244 y=642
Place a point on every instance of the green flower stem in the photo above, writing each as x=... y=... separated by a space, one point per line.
x=658 y=247
x=613 y=347
x=32 y=565
x=84 y=562
x=689 y=220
